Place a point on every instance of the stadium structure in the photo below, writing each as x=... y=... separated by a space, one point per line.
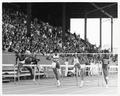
x=36 y=30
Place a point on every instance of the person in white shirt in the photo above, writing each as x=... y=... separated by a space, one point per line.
x=56 y=67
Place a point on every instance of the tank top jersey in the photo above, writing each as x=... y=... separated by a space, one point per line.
x=66 y=64
x=21 y=58
x=75 y=61
x=56 y=57
x=105 y=61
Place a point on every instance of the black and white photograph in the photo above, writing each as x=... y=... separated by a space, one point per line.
x=60 y=48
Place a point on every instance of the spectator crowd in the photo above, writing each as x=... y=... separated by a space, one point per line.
x=44 y=37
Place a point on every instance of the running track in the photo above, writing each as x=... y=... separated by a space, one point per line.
x=93 y=85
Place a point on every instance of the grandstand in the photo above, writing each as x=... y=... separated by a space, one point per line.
x=21 y=32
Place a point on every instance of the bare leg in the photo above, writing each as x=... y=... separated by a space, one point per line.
x=82 y=77
x=56 y=75
x=76 y=75
x=105 y=73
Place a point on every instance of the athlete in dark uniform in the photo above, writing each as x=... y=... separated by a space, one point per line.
x=105 y=66
x=31 y=59
x=21 y=59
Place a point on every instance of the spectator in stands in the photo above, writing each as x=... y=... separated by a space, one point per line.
x=44 y=37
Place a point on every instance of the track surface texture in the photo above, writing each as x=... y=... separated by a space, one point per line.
x=92 y=85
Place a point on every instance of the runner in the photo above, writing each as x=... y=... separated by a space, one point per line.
x=20 y=60
x=78 y=70
x=83 y=62
x=105 y=63
x=56 y=67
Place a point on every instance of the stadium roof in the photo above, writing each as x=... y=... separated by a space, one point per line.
x=52 y=12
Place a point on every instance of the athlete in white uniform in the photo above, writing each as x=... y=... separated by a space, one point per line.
x=56 y=67
x=78 y=70
x=55 y=60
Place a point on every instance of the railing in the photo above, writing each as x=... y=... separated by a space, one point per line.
x=113 y=68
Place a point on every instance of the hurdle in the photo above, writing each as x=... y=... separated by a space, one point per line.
x=113 y=68
x=14 y=73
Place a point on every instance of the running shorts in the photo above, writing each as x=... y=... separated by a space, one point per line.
x=77 y=65
x=56 y=64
